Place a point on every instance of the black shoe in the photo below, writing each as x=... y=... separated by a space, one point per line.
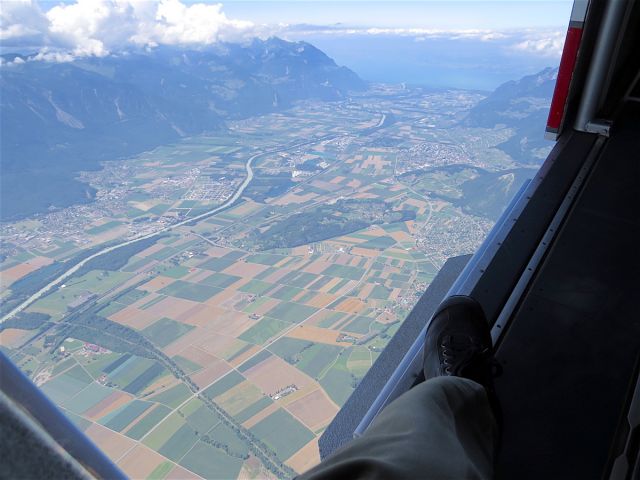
x=458 y=343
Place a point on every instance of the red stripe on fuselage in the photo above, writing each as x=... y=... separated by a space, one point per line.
x=565 y=72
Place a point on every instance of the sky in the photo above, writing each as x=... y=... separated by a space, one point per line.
x=435 y=42
x=449 y=14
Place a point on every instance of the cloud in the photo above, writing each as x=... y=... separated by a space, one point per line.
x=100 y=27
x=420 y=34
x=22 y=22
x=540 y=42
x=545 y=43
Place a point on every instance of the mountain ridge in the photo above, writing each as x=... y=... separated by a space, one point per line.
x=522 y=105
x=73 y=115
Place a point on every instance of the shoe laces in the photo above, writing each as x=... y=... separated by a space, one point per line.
x=458 y=351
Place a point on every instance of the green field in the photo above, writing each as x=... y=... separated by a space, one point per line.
x=227 y=382
x=330 y=319
x=291 y=312
x=174 y=396
x=398 y=255
x=307 y=296
x=253 y=409
x=257 y=287
x=165 y=331
x=221 y=280
x=87 y=398
x=190 y=291
x=203 y=419
x=344 y=271
x=152 y=302
x=164 y=253
x=253 y=306
x=378 y=243
x=337 y=381
x=177 y=271
x=315 y=359
x=339 y=285
x=220 y=263
x=66 y=385
x=125 y=415
x=128 y=371
x=179 y=443
x=211 y=463
x=359 y=324
x=380 y=292
x=289 y=348
x=146 y=378
x=131 y=296
x=62 y=366
x=320 y=282
x=233 y=349
x=96 y=281
x=263 y=331
x=396 y=227
x=271 y=431
x=104 y=363
x=286 y=293
x=265 y=258
x=225 y=435
x=159 y=209
x=359 y=361
x=149 y=421
x=240 y=398
x=160 y=435
x=298 y=279
x=399 y=277
x=111 y=308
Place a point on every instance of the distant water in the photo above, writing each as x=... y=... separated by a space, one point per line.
x=464 y=63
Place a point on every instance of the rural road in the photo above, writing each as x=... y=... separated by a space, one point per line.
x=111 y=248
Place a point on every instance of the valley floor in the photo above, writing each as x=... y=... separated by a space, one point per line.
x=225 y=347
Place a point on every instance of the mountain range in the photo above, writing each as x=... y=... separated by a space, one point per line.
x=62 y=117
x=522 y=105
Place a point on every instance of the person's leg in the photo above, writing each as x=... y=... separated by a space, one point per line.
x=442 y=428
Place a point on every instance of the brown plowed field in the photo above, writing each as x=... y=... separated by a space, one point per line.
x=110 y=442
x=316 y=334
x=305 y=458
x=315 y=410
x=133 y=317
x=140 y=462
x=275 y=374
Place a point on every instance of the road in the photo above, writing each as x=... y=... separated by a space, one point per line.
x=62 y=277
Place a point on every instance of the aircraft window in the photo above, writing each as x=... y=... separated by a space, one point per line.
x=214 y=219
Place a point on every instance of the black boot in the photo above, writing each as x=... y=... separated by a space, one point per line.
x=458 y=343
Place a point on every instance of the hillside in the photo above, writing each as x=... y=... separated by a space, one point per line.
x=522 y=105
x=59 y=118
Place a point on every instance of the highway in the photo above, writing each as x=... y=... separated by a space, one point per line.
x=68 y=273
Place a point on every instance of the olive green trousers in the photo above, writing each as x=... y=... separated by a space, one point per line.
x=441 y=429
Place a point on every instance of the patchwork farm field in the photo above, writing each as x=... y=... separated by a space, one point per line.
x=203 y=352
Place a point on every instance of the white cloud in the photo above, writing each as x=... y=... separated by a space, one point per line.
x=22 y=21
x=99 y=27
x=541 y=42
x=420 y=34
x=545 y=43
